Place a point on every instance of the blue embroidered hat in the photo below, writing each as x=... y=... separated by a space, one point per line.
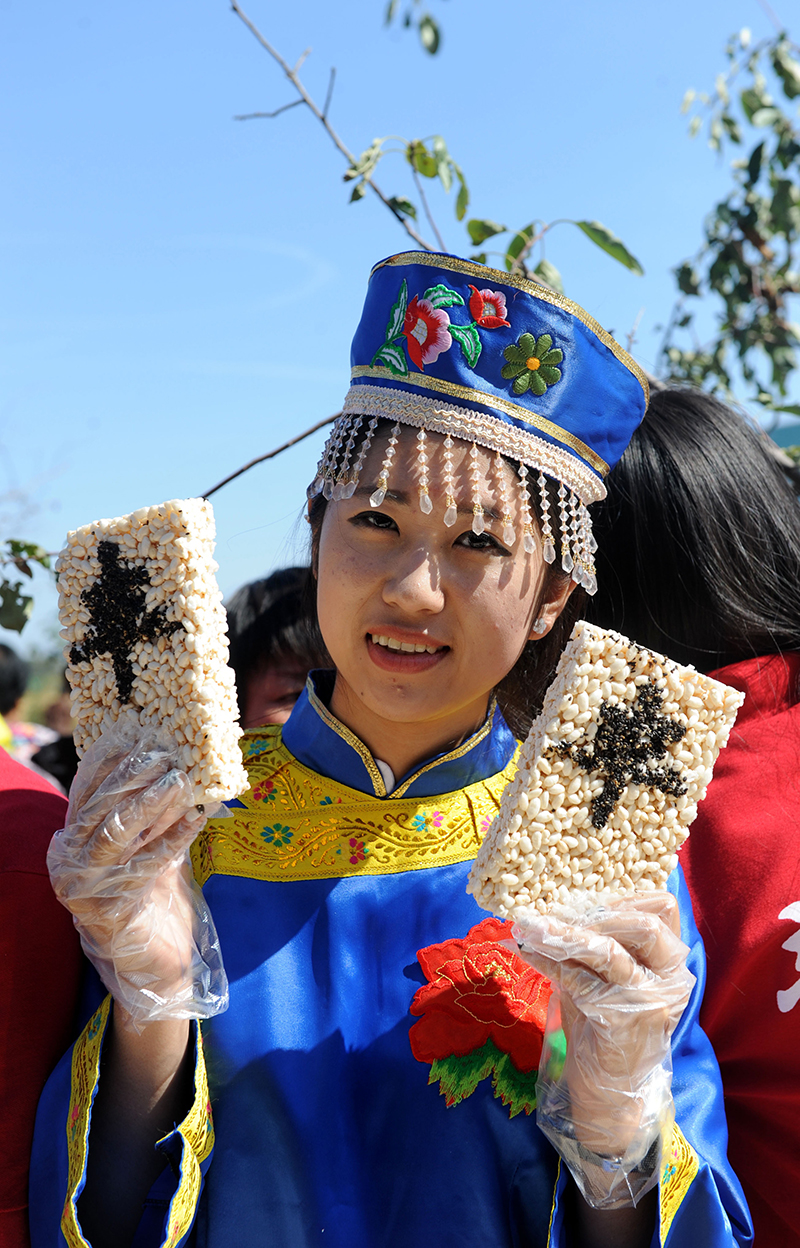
x=453 y=347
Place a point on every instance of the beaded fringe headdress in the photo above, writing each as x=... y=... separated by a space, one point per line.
x=512 y=367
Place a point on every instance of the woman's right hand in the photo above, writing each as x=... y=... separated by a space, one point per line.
x=121 y=866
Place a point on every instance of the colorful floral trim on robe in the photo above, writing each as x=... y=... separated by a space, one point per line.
x=189 y=1145
x=293 y=824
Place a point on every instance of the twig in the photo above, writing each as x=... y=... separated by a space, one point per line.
x=427 y=210
x=770 y=12
x=300 y=60
x=633 y=329
x=329 y=92
x=320 y=116
x=283 y=108
x=271 y=454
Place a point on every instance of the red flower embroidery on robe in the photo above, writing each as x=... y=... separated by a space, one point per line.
x=478 y=991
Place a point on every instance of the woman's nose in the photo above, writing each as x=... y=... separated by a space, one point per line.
x=414 y=583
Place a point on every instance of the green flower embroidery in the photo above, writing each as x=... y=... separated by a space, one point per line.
x=532 y=362
x=278 y=835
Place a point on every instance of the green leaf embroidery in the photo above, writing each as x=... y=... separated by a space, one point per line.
x=479 y=230
x=397 y=314
x=609 y=242
x=442 y=296
x=515 y=1088
x=467 y=337
x=394 y=357
x=458 y=1077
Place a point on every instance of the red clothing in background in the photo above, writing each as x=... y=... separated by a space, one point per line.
x=742 y=864
x=40 y=961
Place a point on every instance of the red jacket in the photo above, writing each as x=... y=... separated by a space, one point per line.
x=742 y=864
x=40 y=962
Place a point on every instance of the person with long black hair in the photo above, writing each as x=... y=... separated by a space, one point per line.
x=699 y=558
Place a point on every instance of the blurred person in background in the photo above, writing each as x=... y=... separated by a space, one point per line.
x=21 y=738
x=274 y=644
x=699 y=559
x=59 y=757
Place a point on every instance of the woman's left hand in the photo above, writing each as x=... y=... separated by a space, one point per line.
x=621 y=985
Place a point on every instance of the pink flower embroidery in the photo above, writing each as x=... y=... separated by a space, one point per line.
x=426 y=331
x=437 y=818
x=358 y=852
x=488 y=307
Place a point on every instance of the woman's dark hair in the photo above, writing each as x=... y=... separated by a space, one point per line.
x=521 y=693
x=13 y=678
x=699 y=538
x=272 y=620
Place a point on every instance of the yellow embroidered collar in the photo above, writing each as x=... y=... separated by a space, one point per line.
x=293 y=824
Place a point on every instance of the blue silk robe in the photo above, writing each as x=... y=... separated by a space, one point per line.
x=313 y=1123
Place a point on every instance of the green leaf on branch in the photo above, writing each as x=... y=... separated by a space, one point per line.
x=397 y=314
x=467 y=337
x=480 y=230
x=421 y=159
x=442 y=296
x=603 y=238
x=687 y=279
x=404 y=206
x=788 y=70
x=21 y=552
x=549 y=274
x=366 y=162
x=15 y=607
x=480 y=258
x=429 y=34
x=394 y=358
x=358 y=191
x=391 y=9
x=462 y=199
x=519 y=244
x=754 y=163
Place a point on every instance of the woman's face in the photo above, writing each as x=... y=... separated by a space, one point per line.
x=422 y=620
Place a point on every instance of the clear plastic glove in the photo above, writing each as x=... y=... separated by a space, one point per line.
x=621 y=984
x=121 y=866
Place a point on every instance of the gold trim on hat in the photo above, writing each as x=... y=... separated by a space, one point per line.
x=471 y=395
x=436 y=416
x=481 y=271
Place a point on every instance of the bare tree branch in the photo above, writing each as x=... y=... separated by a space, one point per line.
x=329 y=93
x=291 y=74
x=283 y=108
x=271 y=454
x=426 y=209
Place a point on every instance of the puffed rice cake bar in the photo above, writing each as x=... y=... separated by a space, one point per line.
x=609 y=779
x=146 y=637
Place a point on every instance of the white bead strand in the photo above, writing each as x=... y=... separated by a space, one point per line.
x=379 y=495
x=425 y=504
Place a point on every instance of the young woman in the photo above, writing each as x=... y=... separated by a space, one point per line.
x=700 y=557
x=373 y=1079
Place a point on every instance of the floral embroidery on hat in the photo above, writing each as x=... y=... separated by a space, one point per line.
x=426 y=330
x=488 y=307
x=481 y=1013
x=532 y=362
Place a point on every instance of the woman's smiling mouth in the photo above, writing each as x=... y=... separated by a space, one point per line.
x=395 y=654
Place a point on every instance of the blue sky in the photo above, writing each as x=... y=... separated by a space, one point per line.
x=179 y=290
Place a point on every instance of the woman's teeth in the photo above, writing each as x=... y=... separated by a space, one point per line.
x=409 y=646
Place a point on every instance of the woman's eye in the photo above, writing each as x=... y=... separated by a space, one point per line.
x=482 y=541
x=373 y=520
